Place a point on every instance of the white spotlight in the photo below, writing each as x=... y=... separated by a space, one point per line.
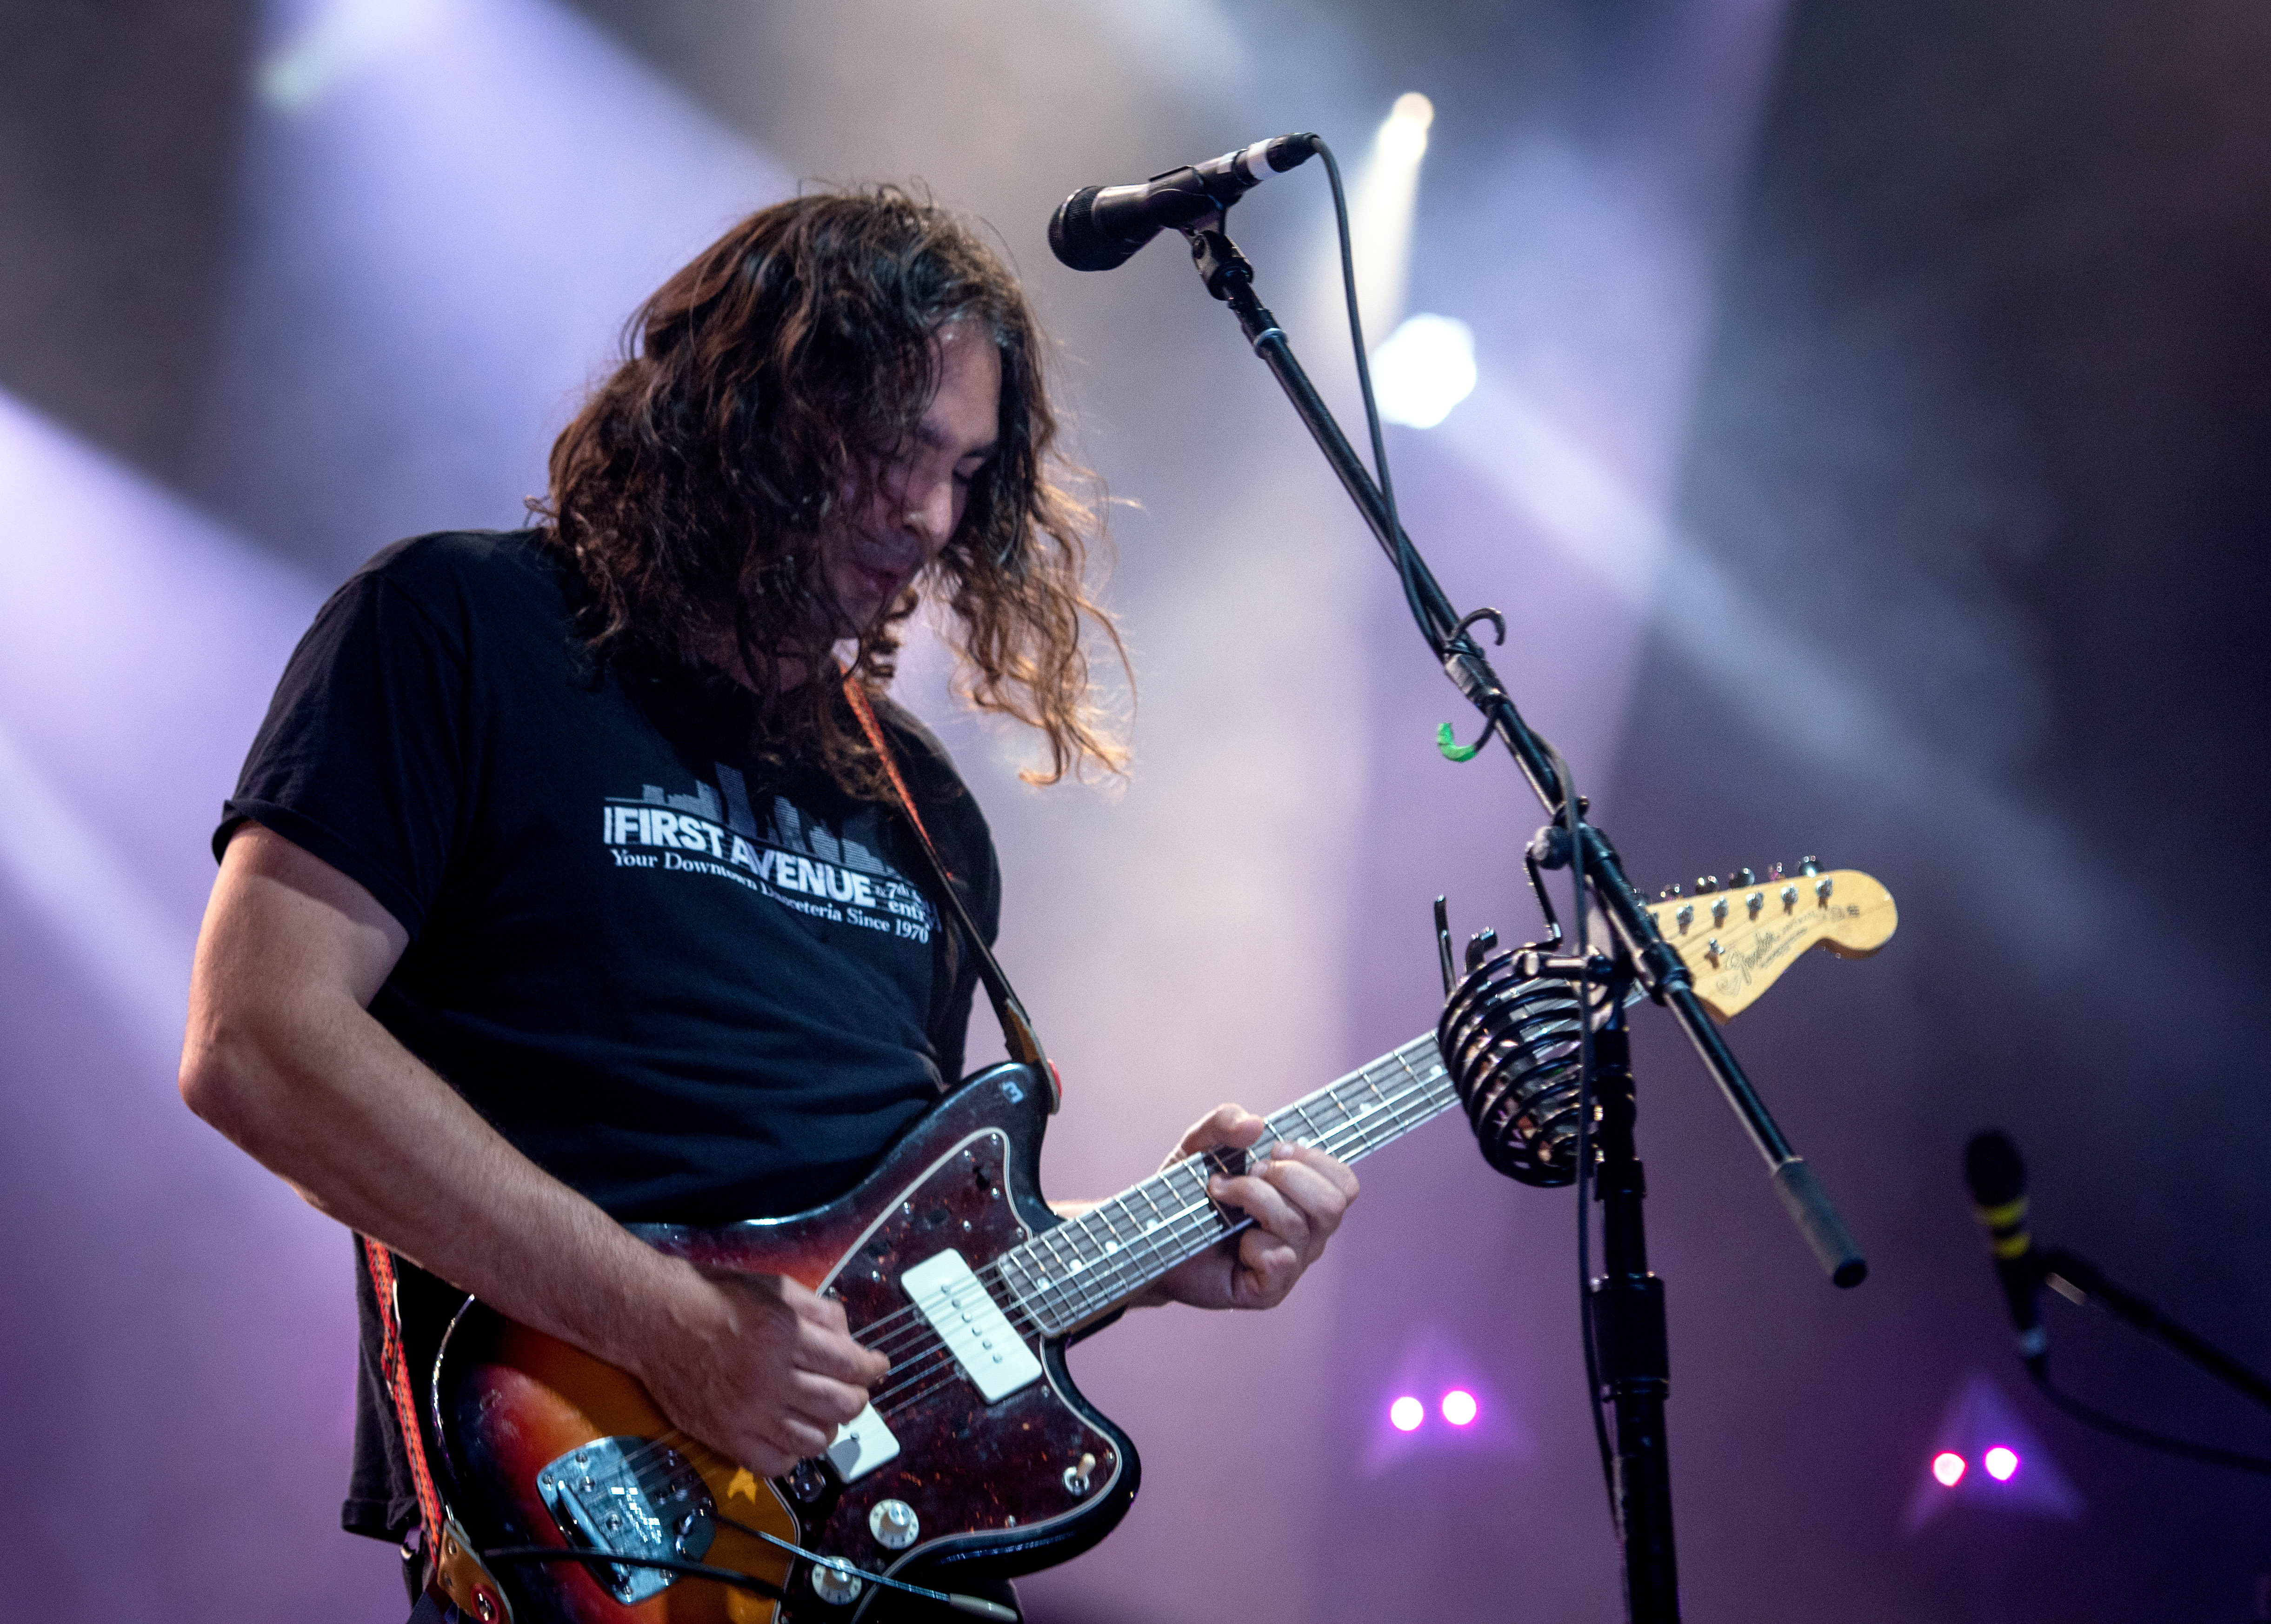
x=1425 y=368
x=1380 y=205
x=1403 y=134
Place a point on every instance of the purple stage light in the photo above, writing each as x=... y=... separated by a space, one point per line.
x=1947 y=1466
x=1406 y=1413
x=1458 y=1406
x=2002 y=1463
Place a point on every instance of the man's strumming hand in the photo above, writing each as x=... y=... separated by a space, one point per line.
x=1296 y=1199
x=756 y=1365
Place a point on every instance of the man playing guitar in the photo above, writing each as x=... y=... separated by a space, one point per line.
x=565 y=889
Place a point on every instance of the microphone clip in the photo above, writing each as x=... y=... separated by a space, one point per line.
x=1228 y=275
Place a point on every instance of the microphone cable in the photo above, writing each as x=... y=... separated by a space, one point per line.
x=2091 y=1415
x=1406 y=569
x=1406 y=560
x=1580 y=929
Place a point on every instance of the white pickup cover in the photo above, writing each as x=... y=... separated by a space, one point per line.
x=959 y=1309
x=862 y=1444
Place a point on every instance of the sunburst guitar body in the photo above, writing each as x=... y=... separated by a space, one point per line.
x=544 y=1445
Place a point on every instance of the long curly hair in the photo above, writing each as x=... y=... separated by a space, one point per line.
x=762 y=388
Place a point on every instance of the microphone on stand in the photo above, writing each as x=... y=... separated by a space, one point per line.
x=1099 y=227
x=1998 y=1179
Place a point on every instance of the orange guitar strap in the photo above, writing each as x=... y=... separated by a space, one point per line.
x=450 y=1560
x=396 y=1366
x=1017 y=1034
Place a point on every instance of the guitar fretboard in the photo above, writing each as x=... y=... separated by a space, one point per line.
x=1072 y=1273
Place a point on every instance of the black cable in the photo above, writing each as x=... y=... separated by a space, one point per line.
x=1442 y=639
x=733 y=1577
x=692 y=1570
x=2105 y=1423
x=1406 y=561
x=1580 y=936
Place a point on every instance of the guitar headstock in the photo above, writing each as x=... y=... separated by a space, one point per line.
x=1738 y=938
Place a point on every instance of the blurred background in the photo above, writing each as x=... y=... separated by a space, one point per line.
x=1858 y=411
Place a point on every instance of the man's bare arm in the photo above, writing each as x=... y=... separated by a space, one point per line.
x=283 y=1056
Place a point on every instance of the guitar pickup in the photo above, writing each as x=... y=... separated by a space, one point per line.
x=861 y=1444
x=964 y=1315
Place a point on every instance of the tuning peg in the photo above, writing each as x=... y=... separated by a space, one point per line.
x=1667 y=893
x=1741 y=876
x=1774 y=872
x=1809 y=865
x=1705 y=883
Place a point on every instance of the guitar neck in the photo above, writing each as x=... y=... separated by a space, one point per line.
x=1086 y=1265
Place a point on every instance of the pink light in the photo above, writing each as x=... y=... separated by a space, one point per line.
x=1947 y=1466
x=1406 y=1413
x=2002 y=1463
x=1458 y=1407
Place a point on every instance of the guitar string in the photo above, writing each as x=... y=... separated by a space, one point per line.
x=1360 y=1123
x=1201 y=1218
x=1198 y=1220
x=940 y=1374
x=902 y=1343
x=930 y=1368
x=1131 y=1268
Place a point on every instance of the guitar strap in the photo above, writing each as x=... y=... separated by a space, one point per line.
x=1016 y=1027
x=449 y=1563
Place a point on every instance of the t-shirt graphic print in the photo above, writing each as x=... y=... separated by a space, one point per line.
x=794 y=859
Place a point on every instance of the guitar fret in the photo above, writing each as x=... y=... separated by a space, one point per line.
x=1078 y=1269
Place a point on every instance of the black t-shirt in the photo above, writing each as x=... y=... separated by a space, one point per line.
x=693 y=987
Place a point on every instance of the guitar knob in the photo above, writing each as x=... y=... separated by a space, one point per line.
x=836 y=1587
x=894 y=1525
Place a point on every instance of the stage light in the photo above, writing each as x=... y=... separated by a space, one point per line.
x=1458 y=1407
x=1403 y=134
x=1425 y=368
x=2002 y=1463
x=1947 y=1466
x=1406 y=1413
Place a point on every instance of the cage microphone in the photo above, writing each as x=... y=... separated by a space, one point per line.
x=1100 y=227
x=1998 y=1179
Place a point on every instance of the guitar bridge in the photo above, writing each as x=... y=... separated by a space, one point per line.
x=630 y=1497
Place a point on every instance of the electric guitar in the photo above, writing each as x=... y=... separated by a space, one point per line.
x=572 y=1498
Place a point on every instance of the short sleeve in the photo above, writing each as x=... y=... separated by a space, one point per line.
x=360 y=762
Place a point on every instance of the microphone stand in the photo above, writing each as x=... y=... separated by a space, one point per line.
x=1628 y=1301
x=2083 y=1284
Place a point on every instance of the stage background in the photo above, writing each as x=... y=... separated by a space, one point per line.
x=1869 y=457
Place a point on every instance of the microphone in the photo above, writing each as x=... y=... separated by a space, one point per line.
x=1100 y=227
x=1998 y=1178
